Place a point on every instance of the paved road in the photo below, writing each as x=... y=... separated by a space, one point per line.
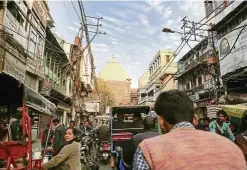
x=104 y=167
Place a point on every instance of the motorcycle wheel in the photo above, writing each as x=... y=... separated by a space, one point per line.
x=84 y=167
x=105 y=161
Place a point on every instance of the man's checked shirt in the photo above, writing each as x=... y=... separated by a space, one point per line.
x=140 y=163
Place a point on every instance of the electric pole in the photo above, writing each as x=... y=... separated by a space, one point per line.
x=79 y=90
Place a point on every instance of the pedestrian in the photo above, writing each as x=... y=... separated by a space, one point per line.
x=220 y=127
x=59 y=140
x=182 y=146
x=15 y=126
x=45 y=138
x=69 y=157
x=103 y=133
x=78 y=131
x=149 y=131
x=86 y=127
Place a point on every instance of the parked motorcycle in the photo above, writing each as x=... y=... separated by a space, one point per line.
x=88 y=152
x=105 y=150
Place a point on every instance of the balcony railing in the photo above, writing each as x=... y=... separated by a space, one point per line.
x=183 y=68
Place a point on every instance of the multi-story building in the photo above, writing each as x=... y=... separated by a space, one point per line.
x=142 y=83
x=133 y=96
x=25 y=21
x=22 y=41
x=57 y=85
x=161 y=77
x=229 y=19
x=196 y=75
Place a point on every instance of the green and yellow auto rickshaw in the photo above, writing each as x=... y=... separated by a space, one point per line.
x=236 y=114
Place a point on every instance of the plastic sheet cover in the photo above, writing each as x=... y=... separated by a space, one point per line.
x=38 y=102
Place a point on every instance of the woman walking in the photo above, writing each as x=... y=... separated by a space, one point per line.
x=69 y=157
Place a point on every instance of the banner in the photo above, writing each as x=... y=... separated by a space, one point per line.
x=237 y=58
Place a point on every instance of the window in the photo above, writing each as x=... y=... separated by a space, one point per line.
x=13 y=9
x=187 y=86
x=32 y=43
x=200 y=81
x=167 y=58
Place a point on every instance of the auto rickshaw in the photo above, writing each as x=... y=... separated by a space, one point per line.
x=237 y=114
x=122 y=148
x=18 y=155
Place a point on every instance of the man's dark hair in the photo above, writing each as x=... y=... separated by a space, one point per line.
x=175 y=106
x=72 y=122
x=56 y=120
x=149 y=123
x=207 y=119
x=221 y=112
x=48 y=125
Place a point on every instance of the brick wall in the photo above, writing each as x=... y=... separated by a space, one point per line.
x=120 y=90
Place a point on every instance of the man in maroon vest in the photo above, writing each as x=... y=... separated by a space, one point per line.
x=182 y=147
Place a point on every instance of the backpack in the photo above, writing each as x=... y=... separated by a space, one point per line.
x=241 y=141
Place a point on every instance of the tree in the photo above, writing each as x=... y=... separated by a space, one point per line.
x=105 y=95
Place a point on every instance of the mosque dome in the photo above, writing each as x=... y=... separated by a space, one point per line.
x=113 y=71
x=143 y=79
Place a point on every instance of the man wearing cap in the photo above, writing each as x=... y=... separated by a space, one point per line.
x=59 y=139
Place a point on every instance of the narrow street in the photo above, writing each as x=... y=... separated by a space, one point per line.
x=104 y=167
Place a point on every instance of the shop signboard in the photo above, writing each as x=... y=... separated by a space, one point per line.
x=237 y=57
x=41 y=11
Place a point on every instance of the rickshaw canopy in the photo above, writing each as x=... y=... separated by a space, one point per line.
x=130 y=109
x=235 y=110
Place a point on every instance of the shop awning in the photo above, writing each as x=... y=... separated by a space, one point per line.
x=38 y=102
x=12 y=91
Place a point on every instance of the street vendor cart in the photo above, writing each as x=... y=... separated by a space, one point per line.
x=17 y=155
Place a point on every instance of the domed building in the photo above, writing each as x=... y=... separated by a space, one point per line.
x=118 y=81
x=143 y=80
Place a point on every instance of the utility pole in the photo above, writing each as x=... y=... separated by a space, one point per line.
x=193 y=30
x=77 y=57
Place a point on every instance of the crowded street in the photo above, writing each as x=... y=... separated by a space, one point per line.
x=123 y=85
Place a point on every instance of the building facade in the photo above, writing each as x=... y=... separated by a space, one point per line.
x=197 y=76
x=56 y=84
x=161 y=77
x=117 y=79
x=230 y=30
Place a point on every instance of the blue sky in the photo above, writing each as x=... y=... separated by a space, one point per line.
x=133 y=29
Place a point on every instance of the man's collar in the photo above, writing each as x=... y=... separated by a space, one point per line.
x=183 y=125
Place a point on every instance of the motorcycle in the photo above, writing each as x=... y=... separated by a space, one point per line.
x=88 y=157
x=105 y=149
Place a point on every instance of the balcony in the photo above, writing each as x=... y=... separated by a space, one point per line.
x=205 y=58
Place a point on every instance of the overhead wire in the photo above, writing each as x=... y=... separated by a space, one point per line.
x=67 y=11
x=197 y=28
x=187 y=39
x=80 y=19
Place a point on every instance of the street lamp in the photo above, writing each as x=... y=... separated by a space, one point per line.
x=168 y=30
